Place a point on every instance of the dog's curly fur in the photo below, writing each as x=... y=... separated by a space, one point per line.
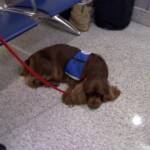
x=93 y=89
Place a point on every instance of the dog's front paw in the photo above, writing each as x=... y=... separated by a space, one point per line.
x=32 y=82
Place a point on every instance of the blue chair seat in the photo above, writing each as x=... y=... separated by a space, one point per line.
x=50 y=7
x=13 y=24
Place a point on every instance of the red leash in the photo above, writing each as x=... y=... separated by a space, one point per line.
x=23 y=64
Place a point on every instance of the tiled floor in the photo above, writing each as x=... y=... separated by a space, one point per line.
x=37 y=120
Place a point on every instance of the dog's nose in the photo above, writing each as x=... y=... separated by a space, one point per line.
x=94 y=103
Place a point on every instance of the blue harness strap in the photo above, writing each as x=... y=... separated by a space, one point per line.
x=75 y=66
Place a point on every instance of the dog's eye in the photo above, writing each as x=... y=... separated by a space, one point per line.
x=90 y=94
x=98 y=95
x=94 y=94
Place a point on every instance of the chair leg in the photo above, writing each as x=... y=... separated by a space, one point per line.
x=66 y=23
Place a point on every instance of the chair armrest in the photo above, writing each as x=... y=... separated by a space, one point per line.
x=11 y=4
x=12 y=8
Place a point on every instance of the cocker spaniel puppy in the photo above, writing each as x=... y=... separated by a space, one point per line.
x=85 y=73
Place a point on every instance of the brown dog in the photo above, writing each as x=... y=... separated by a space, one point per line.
x=92 y=89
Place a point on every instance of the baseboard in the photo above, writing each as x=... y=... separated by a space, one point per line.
x=141 y=16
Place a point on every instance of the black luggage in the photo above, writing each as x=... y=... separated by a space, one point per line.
x=113 y=14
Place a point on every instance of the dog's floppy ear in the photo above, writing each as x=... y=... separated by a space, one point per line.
x=95 y=86
x=101 y=87
x=113 y=93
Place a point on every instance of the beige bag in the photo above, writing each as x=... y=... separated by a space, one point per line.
x=81 y=17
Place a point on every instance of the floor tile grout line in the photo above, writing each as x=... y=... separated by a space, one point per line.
x=20 y=50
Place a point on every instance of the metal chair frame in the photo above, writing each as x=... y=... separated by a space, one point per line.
x=35 y=12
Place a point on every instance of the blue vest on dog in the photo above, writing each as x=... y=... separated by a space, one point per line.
x=75 y=66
